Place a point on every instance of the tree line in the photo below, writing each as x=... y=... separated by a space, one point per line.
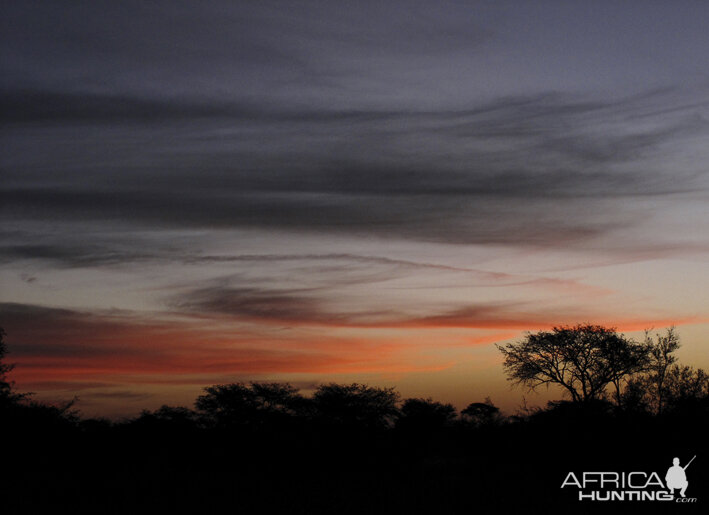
x=592 y=365
x=265 y=447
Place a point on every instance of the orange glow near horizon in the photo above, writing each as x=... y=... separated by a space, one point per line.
x=159 y=357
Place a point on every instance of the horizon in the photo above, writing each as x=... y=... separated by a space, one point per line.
x=203 y=194
x=518 y=398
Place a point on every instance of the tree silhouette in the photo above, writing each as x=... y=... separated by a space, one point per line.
x=482 y=413
x=356 y=405
x=355 y=448
x=5 y=387
x=682 y=389
x=168 y=417
x=624 y=358
x=8 y=396
x=685 y=387
x=661 y=356
x=582 y=359
x=425 y=415
x=237 y=404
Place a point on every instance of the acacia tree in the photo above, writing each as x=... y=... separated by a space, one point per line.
x=582 y=359
x=624 y=360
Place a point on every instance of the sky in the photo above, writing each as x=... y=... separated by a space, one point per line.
x=195 y=193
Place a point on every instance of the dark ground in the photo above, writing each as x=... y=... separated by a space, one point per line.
x=54 y=466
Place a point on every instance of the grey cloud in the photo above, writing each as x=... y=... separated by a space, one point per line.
x=321 y=271
x=270 y=115
x=255 y=304
x=273 y=50
x=43 y=331
x=481 y=278
x=452 y=219
x=528 y=174
x=356 y=53
x=292 y=307
x=72 y=255
x=28 y=278
x=36 y=106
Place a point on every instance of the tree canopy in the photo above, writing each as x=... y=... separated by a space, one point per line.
x=481 y=413
x=425 y=414
x=356 y=405
x=582 y=359
x=240 y=404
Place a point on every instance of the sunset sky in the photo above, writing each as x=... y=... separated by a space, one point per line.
x=206 y=192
